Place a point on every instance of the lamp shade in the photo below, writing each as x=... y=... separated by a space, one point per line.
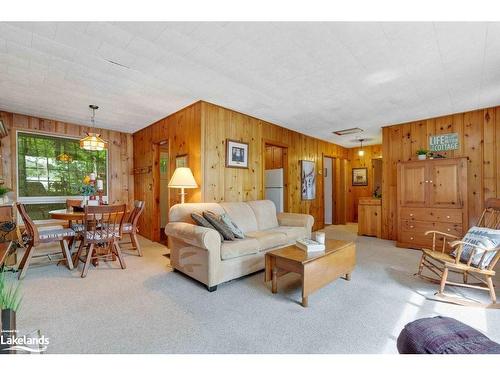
x=182 y=178
x=93 y=142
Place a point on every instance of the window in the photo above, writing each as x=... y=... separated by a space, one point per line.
x=51 y=169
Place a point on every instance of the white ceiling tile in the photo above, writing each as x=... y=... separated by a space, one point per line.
x=311 y=77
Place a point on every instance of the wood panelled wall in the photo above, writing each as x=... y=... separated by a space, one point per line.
x=182 y=130
x=232 y=184
x=121 y=185
x=479 y=137
x=356 y=192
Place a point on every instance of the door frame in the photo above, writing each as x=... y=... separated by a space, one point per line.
x=334 y=203
x=284 y=146
x=156 y=220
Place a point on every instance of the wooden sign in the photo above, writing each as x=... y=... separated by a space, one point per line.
x=443 y=142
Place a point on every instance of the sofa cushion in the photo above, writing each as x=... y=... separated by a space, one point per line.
x=202 y=222
x=265 y=213
x=242 y=215
x=219 y=225
x=239 y=248
x=226 y=219
x=182 y=212
x=268 y=239
x=292 y=233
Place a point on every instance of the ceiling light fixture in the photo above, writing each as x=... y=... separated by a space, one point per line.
x=361 y=152
x=348 y=131
x=93 y=141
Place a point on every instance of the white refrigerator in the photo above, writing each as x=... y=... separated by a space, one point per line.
x=274 y=188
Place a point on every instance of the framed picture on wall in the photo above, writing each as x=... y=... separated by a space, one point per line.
x=360 y=177
x=236 y=154
x=308 y=180
x=181 y=161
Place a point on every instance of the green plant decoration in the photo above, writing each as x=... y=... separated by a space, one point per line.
x=4 y=190
x=10 y=295
x=422 y=151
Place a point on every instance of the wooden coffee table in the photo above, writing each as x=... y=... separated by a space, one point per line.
x=339 y=259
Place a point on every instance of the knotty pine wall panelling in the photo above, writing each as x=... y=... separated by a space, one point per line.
x=234 y=184
x=479 y=139
x=356 y=192
x=182 y=130
x=120 y=152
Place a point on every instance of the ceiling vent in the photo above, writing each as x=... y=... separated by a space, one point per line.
x=348 y=131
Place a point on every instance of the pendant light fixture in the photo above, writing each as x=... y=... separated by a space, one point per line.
x=93 y=141
x=361 y=152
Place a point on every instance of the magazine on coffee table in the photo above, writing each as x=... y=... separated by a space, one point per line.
x=310 y=246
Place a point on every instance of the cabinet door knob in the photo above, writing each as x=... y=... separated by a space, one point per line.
x=447 y=216
x=426 y=181
x=411 y=238
x=412 y=226
x=430 y=181
x=411 y=214
x=449 y=230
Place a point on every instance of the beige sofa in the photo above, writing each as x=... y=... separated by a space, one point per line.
x=200 y=253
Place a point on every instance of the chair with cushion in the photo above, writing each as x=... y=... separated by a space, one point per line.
x=442 y=335
x=131 y=228
x=475 y=256
x=33 y=237
x=102 y=231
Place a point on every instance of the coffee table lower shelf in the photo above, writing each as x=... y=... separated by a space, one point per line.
x=316 y=271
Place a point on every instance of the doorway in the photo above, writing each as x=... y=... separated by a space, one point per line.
x=329 y=189
x=275 y=176
x=164 y=178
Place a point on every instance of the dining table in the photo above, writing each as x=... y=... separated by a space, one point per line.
x=67 y=214
x=70 y=215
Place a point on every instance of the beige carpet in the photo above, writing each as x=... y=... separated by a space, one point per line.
x=149 y=309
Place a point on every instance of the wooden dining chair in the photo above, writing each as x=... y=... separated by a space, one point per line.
x=76 y=225
x=441 y=259
x=102 y=230
x=130 y=227
x=32 y=237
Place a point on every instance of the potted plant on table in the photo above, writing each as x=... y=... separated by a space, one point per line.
x=422 y=153
x=87 y=189
x=3 y=194
x=10 y=302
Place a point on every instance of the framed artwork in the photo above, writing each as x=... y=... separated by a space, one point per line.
x=360 y=177
x=236 y=154
x=181 y=161
x=308 y=179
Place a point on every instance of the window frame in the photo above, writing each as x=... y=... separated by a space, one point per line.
x=51 y=199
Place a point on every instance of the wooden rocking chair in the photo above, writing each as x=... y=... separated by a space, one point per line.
x=441 y=263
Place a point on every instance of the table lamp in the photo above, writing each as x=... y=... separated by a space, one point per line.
x=182 y=179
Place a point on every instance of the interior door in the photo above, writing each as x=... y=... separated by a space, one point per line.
x=444 y=182
x=412 y=184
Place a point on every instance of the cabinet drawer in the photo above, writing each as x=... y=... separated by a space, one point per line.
x=431 y=214
x=414 y=239
x=423 y=226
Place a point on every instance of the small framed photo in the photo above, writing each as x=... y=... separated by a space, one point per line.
x=360 y=177
x=236 y=154
x=181 y=161
x=308 y=180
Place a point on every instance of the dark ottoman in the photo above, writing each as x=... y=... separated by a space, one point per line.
x=441 y=335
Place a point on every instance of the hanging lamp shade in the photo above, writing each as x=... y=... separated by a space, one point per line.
x=93 y=141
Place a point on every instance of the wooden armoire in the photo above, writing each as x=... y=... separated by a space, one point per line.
x=432 y=195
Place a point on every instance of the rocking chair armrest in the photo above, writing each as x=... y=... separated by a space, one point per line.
x=456 y=243
x=440 y=233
